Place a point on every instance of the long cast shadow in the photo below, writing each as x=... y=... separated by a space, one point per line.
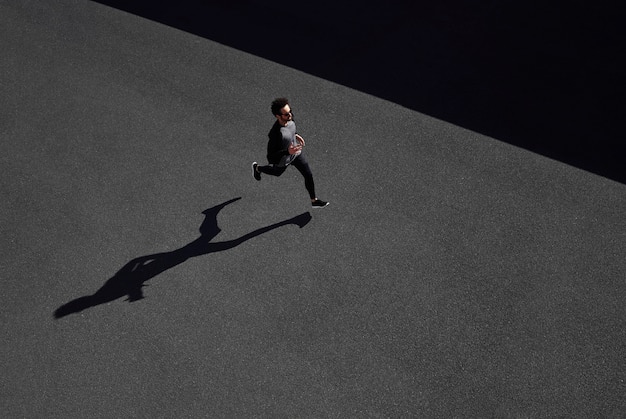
x=130 y=279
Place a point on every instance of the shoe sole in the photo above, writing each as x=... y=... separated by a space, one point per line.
x=254 y=172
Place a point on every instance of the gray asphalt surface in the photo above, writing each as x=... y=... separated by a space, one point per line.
x=452 y=275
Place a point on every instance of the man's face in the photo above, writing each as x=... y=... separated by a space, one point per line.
x=285 y=115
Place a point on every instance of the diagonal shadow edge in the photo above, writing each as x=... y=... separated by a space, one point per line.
x=543 y=79
x=130 y=279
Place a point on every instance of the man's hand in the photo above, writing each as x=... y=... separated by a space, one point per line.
x=300 y=140
x=295 y=149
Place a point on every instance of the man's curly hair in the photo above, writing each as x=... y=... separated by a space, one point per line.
x=278 y=104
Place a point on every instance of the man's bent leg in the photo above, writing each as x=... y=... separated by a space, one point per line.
x=272 y=170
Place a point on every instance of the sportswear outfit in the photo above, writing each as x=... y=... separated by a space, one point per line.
x=280 y=138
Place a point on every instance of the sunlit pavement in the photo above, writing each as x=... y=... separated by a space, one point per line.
x=452 y=275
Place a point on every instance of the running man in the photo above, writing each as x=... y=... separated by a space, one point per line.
x=284 y=148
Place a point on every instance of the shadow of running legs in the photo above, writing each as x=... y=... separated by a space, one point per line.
x=130 y=279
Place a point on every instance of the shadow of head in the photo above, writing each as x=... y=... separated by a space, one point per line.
x=131 y=278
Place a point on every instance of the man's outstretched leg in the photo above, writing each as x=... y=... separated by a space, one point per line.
x=302 y=165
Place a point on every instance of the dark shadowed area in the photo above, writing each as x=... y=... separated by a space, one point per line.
x=146 y=273
x=542 y=76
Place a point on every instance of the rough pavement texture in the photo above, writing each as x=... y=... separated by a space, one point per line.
x=453 y=275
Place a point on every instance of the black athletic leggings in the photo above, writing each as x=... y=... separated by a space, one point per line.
x=299 y=163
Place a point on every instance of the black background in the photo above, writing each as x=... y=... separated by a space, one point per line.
x=544 y=77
